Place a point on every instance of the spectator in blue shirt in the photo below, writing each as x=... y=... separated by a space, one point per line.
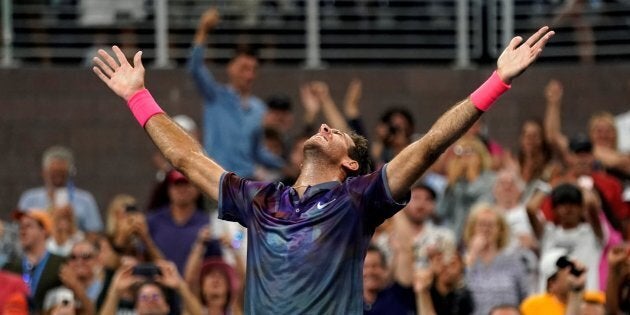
x=232 y=116
x=59 y=190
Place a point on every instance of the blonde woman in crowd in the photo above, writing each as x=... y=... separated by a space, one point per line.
x=494 y=275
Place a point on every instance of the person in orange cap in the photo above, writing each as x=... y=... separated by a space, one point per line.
x=39 y=268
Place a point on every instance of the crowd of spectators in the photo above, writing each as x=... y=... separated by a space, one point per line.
x=542 y=231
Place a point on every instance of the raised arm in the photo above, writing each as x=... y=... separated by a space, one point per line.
x=552 y=122
x=328 y=106
x=410 y=163
x=179 y=148
x=206 y=85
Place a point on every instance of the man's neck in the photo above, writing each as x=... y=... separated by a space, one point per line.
x=35 y=253
x=313 y=174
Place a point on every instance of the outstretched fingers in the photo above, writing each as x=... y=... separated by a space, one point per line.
x=103 y=67
x=539 y=34
x=515 y=42
x=120 y=55
x=137 y=60
x=108 y=59
x=100 y=74
x=540 y=44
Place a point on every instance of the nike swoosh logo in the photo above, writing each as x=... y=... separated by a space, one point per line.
x=321 y=205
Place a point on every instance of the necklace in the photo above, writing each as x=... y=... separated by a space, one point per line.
x=300 y=186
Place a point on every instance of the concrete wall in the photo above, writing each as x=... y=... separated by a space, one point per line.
x=42 y=107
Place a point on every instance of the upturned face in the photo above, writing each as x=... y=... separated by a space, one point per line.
x=151 y=301
x=330 y=143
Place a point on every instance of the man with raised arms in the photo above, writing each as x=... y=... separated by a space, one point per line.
x=307 y=242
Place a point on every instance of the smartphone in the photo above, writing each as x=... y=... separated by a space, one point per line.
x=564 y=262
x=61 y=197
x=147 y=270
x=131 y=208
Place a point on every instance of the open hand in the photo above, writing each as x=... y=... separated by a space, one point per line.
x=122 y=78
x=518 y=55
x=554 y=91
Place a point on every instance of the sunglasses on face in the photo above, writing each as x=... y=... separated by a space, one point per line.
x=81 y=256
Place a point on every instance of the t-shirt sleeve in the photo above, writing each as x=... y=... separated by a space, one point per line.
x=374 y=198
x=236 y=196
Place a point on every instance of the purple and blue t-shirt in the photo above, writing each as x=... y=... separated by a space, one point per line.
x=305 y=255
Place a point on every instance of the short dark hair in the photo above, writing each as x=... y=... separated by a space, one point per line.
x=566 y=194
x=360 y=152
x=580 y=144
x=421 y=185
x=279 y=102
x=373 y=248
x=386 y=117
x=244 y=50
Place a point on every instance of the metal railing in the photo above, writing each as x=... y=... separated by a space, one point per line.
x=586 y=30
x=312 y=33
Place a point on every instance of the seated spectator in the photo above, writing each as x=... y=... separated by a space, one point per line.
x=507 y=192
x=413 y=228
x=59 y=190
x=181 y=217
x=83 y=273
x=65 y=233
x=578 y=231
x=60 y=301
x=149 y=290
x=494 y=275
x=470 y=180
x=564 y=289
x=199 y=264
x=379 y=296
x=618 y=287
x=534 y=153
x=128 y=232
x=440 y=288
x=393 y=133
x=221 y=288
x=38 y=267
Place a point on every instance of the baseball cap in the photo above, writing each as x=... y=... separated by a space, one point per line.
x=548 y=266
x=41 y=216
x=176 y=177
x=580 y=144
x=219 y=264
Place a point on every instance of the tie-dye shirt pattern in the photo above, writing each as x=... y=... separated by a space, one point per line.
x=305 y=256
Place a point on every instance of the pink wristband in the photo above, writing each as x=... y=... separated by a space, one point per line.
x=143 y=106
x=489 y=92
